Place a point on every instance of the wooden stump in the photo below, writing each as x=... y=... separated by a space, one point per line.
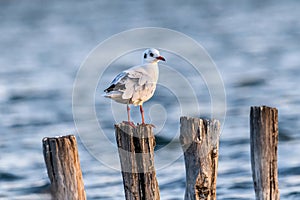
x=200 y=143
x=264 y=141
x=136 y=152
x=63 y=167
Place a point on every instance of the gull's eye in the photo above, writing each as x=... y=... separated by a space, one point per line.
x=145 y=55
x=151 y=54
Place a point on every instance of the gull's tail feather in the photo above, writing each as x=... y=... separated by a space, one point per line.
x=117 y=96
x=105 y=95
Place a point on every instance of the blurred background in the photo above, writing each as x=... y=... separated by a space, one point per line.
x=255 y=45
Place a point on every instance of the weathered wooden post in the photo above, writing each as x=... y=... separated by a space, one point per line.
x=264 y=141
x=63 y=167
x=136 y=152
x=200 y=143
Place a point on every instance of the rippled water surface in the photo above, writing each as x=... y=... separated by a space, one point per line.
x=255 y=45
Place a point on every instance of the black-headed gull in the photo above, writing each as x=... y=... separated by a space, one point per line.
x=137 y=84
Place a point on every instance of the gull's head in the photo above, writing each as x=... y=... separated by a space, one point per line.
x=152 y=56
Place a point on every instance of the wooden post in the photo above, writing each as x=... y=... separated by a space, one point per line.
x=200 y=143
x=264 y=141
x=63 y=167
x=136 y=152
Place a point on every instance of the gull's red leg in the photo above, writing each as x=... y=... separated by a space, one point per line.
x=128 y=113
x=128 y=117
x=142 y=113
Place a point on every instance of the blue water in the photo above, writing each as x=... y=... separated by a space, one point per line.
x=254 y=44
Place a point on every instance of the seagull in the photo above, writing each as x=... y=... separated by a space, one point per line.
x=136 y=84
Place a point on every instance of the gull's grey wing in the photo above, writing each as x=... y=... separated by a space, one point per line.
x=135 y=82
x=117 y=83
x=134 y=85
x=118 y=77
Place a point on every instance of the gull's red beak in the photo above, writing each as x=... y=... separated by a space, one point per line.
x=160 y=58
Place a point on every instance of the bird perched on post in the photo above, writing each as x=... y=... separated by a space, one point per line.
x=137 y=84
